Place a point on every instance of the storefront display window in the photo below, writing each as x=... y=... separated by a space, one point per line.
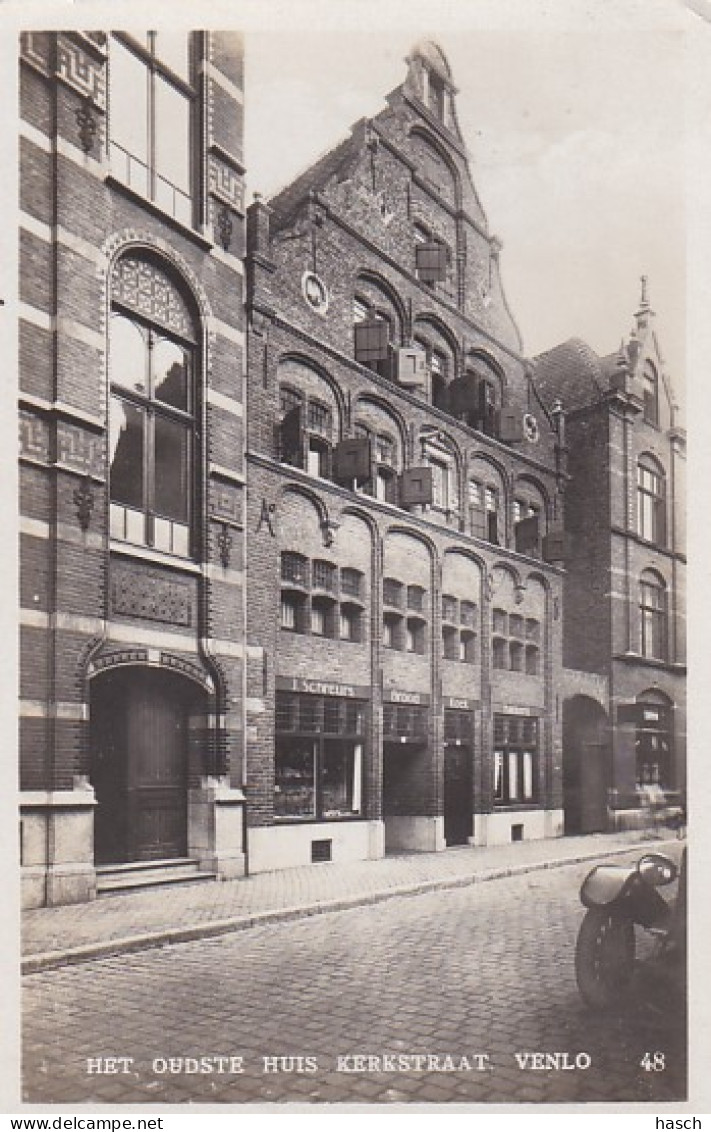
x=319 y=757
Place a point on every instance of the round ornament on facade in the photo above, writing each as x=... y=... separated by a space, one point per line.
x=314 y=291
x=530 y=428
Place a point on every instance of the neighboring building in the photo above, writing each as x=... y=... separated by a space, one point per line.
x=132 y=476
x=624 y=724
x=405 y=488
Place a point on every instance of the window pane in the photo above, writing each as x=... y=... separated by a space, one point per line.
x=129 y=114
x=513 y=776
x=294 y=785
x=171 y=469
x=126 y=426
x=172 y=137
x=527 y=775
x=128 y=354
x=172 y=48
x=170 y=373
x=339 y=793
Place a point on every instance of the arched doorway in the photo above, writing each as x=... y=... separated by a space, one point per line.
x=139 y=762
x=586 y=765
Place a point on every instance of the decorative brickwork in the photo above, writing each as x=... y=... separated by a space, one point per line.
x=77 y=68
x=145 y=593
x=146 y=289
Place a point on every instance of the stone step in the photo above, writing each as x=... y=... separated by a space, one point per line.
x=148 y=874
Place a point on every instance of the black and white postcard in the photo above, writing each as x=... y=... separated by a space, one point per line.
x=350 y=349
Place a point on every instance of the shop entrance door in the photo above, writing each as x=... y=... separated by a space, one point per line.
x=139 y=766
x=458 y=801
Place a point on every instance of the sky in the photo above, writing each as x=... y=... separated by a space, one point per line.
x=577 y=146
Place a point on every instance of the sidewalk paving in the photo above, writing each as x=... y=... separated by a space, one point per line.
x=127 y=922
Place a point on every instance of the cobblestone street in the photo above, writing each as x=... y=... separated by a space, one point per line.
x=481 y=970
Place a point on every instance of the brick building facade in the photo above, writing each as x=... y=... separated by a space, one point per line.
x=315 y=563
x=624 y=589
x=405 y=509
x=132 y=477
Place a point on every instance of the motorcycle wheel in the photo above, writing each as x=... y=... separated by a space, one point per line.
x=604 y=957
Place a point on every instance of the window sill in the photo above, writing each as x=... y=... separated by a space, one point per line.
x=287 y=819
x=159 y=557
x=194 y=234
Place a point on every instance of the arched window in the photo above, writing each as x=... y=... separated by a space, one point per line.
x=650 y=393
x=651 y=500
x=153 y=360
x=653 y=615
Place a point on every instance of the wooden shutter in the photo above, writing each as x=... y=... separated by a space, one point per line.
x=555 y=546
x=371 y=341
x=353 y=460
x=431 y=259
x=416 y=486
x=527 y=535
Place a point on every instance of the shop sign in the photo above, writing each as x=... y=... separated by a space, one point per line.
x=321 y=688
x=395 y=696
x=460 y=703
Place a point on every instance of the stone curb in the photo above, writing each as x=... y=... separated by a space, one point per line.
x=49 y=960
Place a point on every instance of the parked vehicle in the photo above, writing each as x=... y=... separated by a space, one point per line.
x=619 y=900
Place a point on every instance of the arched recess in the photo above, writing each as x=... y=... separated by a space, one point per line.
x=382 y=298
x=150 y=741
x=587 y=769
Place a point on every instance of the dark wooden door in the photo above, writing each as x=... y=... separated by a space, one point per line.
x=458 y=801
x=156 y=754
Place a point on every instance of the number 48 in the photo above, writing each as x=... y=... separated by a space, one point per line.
x=653 y=1062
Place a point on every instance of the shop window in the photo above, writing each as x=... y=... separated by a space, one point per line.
x=651 y=501
x=650 y=395
x=458 y=727
x=405 y=722
x=319 y=757
x=515 y=760
x=152 y=435
x=151 y=108
x=653 y=615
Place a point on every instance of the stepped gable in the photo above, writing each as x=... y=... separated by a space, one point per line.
x=287 y=204
x=572 y=372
